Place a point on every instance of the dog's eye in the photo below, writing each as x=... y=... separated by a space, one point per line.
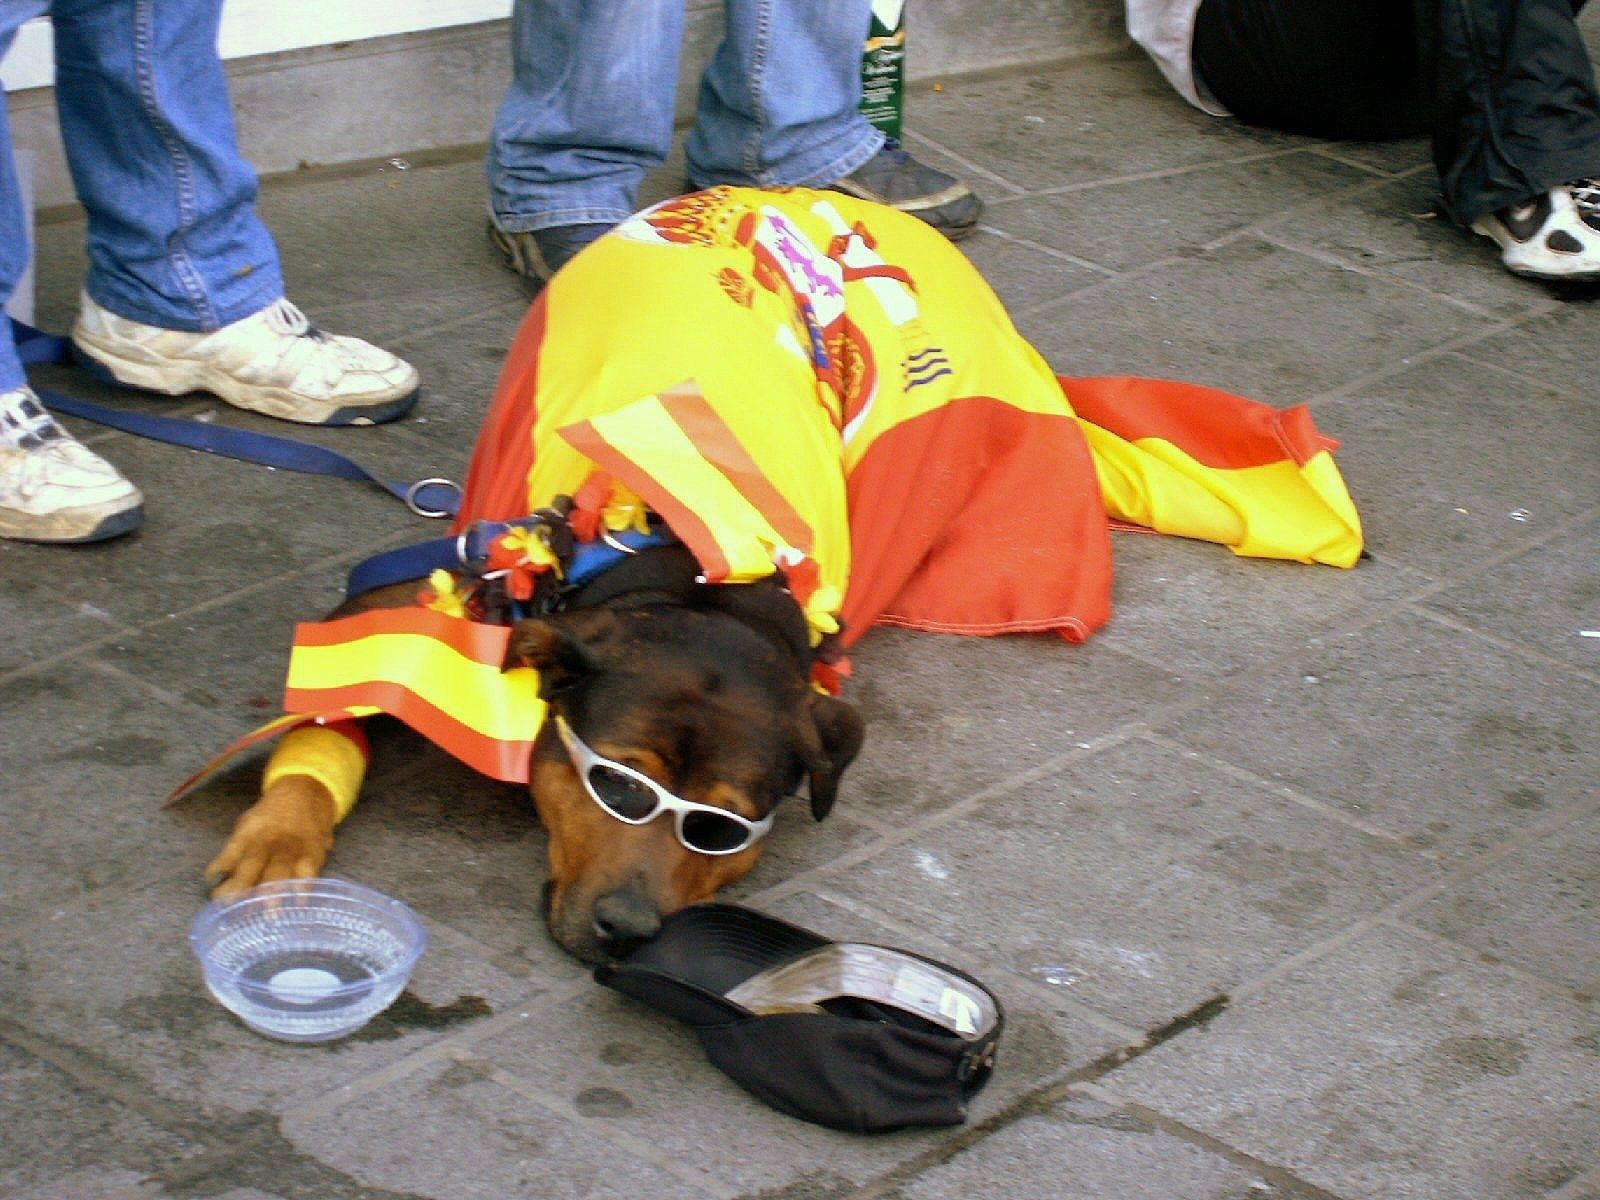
x=713 y=833
x=624 y=795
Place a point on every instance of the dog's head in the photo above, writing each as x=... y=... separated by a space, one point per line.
x=700 y=699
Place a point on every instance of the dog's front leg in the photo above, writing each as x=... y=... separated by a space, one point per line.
x=311 y=782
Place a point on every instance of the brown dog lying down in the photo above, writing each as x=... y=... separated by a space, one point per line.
x=830 y=422
x=705 y=690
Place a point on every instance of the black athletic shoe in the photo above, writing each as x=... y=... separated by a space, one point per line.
x=538 y=255
x=894 y=178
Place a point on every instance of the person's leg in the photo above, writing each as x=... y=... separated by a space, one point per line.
x=184 y=291
x=780 y=105
x=52 y=489
x=780 y=101
x=1518 y=110
x=15 y=237
x=1324 y=68
x=589 y=110
x=174 y=240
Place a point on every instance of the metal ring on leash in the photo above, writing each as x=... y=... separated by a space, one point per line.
x=412 y=492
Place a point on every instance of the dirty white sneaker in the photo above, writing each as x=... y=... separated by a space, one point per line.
x=274 y=362
x=52 y=488
x=1553 y=236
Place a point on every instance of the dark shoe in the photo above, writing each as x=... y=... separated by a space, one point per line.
x=894 y=178
x=540 y=254
x=1554 y=236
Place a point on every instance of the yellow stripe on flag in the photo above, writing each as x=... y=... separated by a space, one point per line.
x=647 y=436
x=1278 y=510
x=498 y=704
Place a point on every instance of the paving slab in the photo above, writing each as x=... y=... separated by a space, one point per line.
x=1089 y=1150
x=1423 y=731
x=1547 y=598
x=64 y=1139
x=1456 y=468
x=1537 y=908
x=1396 y=1067
x=1163 y=322
x=1138 y=880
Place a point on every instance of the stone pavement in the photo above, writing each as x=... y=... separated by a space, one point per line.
x=1287 y=879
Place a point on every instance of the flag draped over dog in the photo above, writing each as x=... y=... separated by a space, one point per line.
x=804 y=381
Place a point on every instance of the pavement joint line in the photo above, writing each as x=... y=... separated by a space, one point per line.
x=1336 y=152
x=953 y=811
x=1380 y=272
x=1530 y=653
x=1293 y=1185
x=1485 y=564
x=1542 y=982
x=1240 y=160
x=47 y=664
x=1048 y=251
x=1472 y=866
x=92 y=1072
x=1279 y=789
x=456 y=1046
x=969 y=169
x=606 y=1130
x=1586 y=1186
x=1040 y=1100
x=1523 y=377
x=516 y=304
x=1352 y=388
x=955 y=953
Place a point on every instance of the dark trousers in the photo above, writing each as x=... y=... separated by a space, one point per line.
x=1505 y=87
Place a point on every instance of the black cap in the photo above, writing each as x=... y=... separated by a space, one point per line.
x=849 y=1035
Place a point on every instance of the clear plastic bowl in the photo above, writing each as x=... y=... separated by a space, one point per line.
x=307 y=960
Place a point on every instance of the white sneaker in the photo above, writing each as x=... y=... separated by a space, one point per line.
x=52 y=488
x=274 y=362
x=1553 y=236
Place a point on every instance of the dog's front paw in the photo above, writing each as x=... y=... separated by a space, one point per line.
x=285 y=835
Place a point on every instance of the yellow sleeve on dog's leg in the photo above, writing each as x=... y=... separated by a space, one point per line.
x=335 y=755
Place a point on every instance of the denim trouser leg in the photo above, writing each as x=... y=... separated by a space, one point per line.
x=589 y=110
x=1518 y=111
x=174 y=240
x=780 y=101
x=15 y=235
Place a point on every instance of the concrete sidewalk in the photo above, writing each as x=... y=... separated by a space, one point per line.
x=1287 y=879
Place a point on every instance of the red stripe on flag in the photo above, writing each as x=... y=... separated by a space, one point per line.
x=682 y=520
x=721 y=447
x=503 y=760
x=473 y=640
x=1216 y=429
x=497 y=478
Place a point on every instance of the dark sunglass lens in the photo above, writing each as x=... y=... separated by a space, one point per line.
x=622 y=794
x=713 y=833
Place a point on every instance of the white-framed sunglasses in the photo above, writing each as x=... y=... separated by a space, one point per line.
x=633 y=798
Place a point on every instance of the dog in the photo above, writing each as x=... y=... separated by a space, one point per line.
x=781 y=417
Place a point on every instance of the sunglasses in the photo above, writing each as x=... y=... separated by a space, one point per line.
x=635 y=799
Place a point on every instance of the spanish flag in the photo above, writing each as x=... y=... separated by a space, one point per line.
x=802 y=381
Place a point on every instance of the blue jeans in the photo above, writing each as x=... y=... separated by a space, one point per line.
x=173 y=238
x=590 y=108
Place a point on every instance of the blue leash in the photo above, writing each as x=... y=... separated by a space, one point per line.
x=432 y=497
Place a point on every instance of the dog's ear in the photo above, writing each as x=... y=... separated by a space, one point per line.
x=837 y=731
x=553 y=650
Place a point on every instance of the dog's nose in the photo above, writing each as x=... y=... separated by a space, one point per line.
x=625 y=916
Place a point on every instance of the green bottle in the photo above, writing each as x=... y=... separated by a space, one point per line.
x=883 y=67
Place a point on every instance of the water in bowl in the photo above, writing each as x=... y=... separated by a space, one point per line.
x=306 y=975
x=306 y=980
